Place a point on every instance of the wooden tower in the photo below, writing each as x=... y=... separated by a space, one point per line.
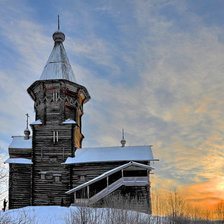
x=58 y=103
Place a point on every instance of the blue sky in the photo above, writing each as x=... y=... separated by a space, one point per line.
x=154 y=68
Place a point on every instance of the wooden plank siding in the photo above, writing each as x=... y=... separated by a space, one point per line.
x=48 y=157
x=129 y=197
x=58 y=100
x=19 y=185
x=92 y=170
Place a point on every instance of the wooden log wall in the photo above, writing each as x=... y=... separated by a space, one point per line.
x=58 y=100
x=19 y=185
x=136 y=198
x=47 y=157
x=92 y=170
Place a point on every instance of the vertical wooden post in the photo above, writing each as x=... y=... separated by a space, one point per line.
x=88 y=191
x=107 y=181
x=57 y=136
x=74 y=197
x=54 y=136
x=122 y=173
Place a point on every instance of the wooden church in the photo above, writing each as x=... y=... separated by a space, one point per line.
x=51 y=167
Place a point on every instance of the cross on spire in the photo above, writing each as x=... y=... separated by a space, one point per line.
x=58 y=22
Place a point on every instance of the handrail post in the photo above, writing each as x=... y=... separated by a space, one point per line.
x=88 y=191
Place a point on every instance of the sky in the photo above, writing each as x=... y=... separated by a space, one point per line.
x=154 y=68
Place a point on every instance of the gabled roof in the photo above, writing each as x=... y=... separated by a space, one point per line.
x=58 y=66
x=109 y=173
x=111 y=154
x=18 y=142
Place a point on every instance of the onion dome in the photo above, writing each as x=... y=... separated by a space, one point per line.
x=27 y=131
x=27 y=134
x=58 y=36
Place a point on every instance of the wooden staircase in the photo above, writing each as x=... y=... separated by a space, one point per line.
x=126 y=181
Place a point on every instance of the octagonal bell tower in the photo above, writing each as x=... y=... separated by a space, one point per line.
x=57 y=131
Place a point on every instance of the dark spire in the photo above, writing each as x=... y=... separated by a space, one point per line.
x=27 y=131
x=123 y=141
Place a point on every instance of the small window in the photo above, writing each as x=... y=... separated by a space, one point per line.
x=55 y=96
x=57 y=178
x=43 y=175
x=55 y=136
x=82 y=178
x=52 y=160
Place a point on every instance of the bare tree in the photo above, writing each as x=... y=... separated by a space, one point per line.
x=176 y=204
x=220 y=211
x=3 y=179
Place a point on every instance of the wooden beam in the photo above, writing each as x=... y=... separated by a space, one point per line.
x=88 y=191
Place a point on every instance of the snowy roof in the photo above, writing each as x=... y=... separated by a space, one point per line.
x=69 y=121
x=18 y=161
x=58 y=66
x=107 y=174
x=111 y=154
x=37 y=122
x=18 y=142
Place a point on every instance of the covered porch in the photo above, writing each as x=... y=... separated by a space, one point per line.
x=131 y=174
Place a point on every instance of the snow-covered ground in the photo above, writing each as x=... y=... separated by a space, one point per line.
x=72 y=215
x=39 y=214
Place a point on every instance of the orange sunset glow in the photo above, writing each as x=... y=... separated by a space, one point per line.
x=206 y=195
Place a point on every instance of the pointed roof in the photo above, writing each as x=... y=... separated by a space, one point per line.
x=58 y=66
